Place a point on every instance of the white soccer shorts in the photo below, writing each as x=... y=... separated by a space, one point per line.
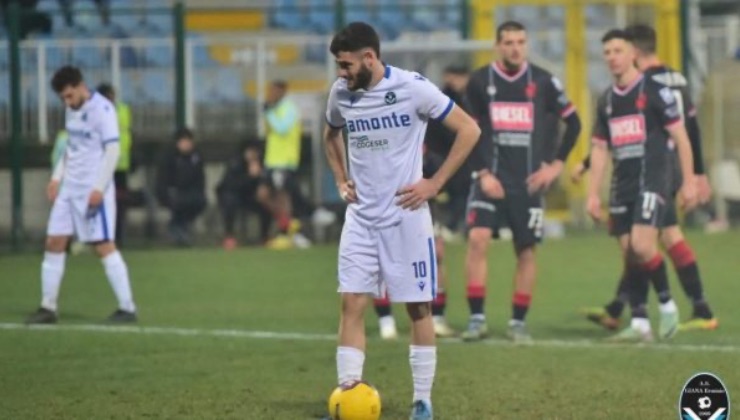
x=399 y=259
x=70 y=216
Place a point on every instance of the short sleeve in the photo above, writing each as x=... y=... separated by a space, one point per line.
x=600 y=133
x=333 y=115
x=664 y=103
x=107 y=123
x=557 y=100
x=431 y=103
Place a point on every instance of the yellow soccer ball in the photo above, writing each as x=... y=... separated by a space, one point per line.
x=355 y=401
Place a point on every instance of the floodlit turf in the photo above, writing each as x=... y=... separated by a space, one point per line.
x=205 y=361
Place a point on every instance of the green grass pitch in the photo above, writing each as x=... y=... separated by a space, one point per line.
x=199 y=355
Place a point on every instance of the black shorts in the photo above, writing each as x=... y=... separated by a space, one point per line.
x=649 y=209
x=281 y=179
x=522 y=213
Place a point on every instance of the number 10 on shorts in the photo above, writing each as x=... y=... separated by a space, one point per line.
x=420 y=269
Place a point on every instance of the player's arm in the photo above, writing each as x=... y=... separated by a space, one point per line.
x=477 y=104
x=704 y=189
x=52 y=189
x=597 y=161
x=336 y=154
x=666 y=106
x=108 y=130
x=678 y=133
x=599 y=158
x=557 y=102
x=433 y=104
x=467 y=134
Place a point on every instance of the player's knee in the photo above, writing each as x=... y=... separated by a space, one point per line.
x=439 y=249
x=103 y=249
x=478 y=241
x=525 y=254
x=56 y=244
x=641 y=250
x=671 y=236
x=353 y=305
x=418 y=310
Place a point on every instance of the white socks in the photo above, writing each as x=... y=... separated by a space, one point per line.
x=117 y=272
x=52 y=270
x=423 y=360
x=349 y=364
x=641 y=324
x=668 y=307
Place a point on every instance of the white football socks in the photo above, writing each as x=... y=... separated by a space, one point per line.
x=349 y=364
x=52 y=271
x=117 y=272
x=423 y=360
x=668 y=307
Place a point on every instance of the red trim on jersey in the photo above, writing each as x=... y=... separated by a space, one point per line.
x=598 y=139
x=501 y=70
x=565 y=113
x=673 y=123
x=625 y=90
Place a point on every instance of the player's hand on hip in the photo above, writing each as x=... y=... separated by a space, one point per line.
x=576 y=175
x=593 y=207
x=414 y=196
x=544 y=177
x=52 y=190
x=703 y=189
x=347 y=191
x=491 y=186
x=96 y=199
x=689 y=196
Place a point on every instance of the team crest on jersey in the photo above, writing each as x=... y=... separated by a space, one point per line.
x=641 y=101
x=84 y=117
x=512 y=116
x=627 y=130
x=667 y=94
x=531 y=90
x=390 y=98
x=491 y=90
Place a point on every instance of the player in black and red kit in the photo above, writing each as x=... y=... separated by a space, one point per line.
x=672 y=238
x=636 y=119
x=514 y=102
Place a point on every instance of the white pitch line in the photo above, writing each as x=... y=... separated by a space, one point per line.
x=275 y=335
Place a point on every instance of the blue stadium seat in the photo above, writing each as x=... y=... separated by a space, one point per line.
x=287 y=14
x=131 y=89
x=89 y=56
x=4 y=88
x=423 y=18
x=321 y=15
x=357 y=10
x=229 y=84
x=202 y=56
x=159 y=55
x=158 y=86
x=393 y=18
x=4 y=64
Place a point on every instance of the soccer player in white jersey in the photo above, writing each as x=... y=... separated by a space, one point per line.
x=387 y=241
x=83 y=196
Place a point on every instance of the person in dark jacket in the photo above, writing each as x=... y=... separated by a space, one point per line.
x=242 y=188
x=181 y=185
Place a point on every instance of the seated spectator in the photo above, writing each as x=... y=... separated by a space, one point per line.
x=242 y=188
x=181 y=185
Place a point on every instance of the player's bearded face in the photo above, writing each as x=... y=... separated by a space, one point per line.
x=73 y=96
x=619 y=56
x=353 y=68
x=512 y=48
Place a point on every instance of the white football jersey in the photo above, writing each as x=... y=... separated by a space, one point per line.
x=89 y=128
x=385 y=127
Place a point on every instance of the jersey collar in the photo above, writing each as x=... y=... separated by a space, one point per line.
x=627 y=89
x=510 y=78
